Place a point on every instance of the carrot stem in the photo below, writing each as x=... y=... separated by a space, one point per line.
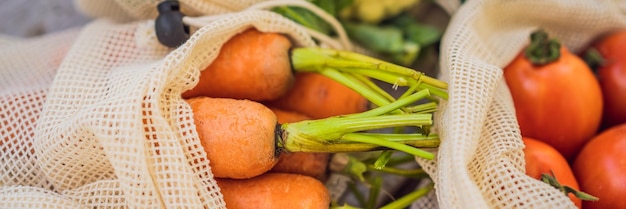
x=430 y=141
x=388 y=77
x=357 y=86
x=393 y=145
x=346 y=59
x=329 y=135
x=428 y=107
x=405 y=137
x=411 y=89
x=411 y=173
x=353 y=146
x=369 y=83
x=391 y=78
x=331 y=129
x=393 y=106
x=321 y=60
x=375 y=187
x=383 y=159
x=408 y=199
x=401 y=160
x=357 y=193
x=434 y=90
x=345 y=133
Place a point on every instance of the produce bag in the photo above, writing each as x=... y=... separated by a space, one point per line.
x=93 y=118
x=480 y=162
x=27 y=71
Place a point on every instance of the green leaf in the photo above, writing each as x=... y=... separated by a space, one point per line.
x=331 y=6
x=326 y=5
x=309 y=19
x=408 y=55
x=342 y=4
x=304 y=17
x=376 y=38
x=421 y=34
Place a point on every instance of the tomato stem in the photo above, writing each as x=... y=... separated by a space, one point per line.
x=542 y=50
x=552 y=181
x=593 y=58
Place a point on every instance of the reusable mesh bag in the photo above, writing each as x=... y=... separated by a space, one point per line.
x=27 y=70
x=106 y=127
x=480 y=162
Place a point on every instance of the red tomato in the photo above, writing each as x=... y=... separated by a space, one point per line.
x=541 y=158
x=559 y=103
x=612 y=76
x=601 y=169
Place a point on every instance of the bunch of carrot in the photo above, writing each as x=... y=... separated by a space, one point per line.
x=268 y=115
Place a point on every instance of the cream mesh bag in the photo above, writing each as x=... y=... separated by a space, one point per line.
x=106 y=127
x=92 y=118
x=480 y=162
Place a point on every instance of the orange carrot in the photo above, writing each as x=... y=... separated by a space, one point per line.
x=320 y=97
x=237 y=135
x=243 y=139
x=251 y=65
x=305 y=163
x=275 y=190
x=287 y=116
x=246 y=130
x=311 y=164
x=260 y=66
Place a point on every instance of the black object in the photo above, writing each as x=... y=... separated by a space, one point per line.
x=169 y=26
